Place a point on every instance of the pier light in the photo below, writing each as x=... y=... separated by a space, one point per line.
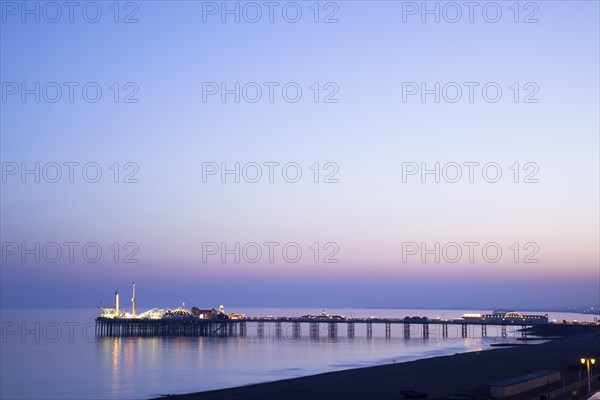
x=588 y=362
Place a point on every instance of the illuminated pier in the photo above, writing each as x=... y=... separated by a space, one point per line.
x=115 y=322
x=293 y=327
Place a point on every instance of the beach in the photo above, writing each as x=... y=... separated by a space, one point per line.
x=439 y=377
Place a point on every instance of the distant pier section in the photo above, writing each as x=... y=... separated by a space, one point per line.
x=116 y=322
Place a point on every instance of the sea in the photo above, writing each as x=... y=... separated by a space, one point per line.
x=54 y=353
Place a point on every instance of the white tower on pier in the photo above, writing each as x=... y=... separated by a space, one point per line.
x=116 y=303
x=133 y=299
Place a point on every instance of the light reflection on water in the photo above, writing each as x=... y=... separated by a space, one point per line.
x=71 y=364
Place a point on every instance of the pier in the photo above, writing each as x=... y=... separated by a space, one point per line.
x=294 y=327
x=116 y=322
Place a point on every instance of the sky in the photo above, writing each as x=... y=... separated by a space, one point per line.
x=328 y=154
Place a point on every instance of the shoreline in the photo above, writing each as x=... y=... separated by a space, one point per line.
x=440 y=376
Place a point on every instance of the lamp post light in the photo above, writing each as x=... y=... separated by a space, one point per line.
x=588 y=362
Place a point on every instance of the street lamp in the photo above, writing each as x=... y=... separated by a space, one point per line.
x=589 y=362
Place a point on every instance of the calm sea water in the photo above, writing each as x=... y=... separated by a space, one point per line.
x=53 y=354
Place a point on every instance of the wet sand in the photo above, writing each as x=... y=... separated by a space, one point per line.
x=439 y=377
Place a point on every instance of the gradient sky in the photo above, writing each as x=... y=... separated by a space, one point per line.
x=369 y=133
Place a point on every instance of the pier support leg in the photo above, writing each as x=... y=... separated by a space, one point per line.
x=464 y=330
x=296 y=331
x=351 y=330
x=406 y=331
x=483 y=331
x=278 y=329
x=332 y=330
x=503 y=331
x=314 y=330
x=425 y=331
x=369 y=330
x=388 y=330
x=261 y=330
x=223 y=329
x=444 y=330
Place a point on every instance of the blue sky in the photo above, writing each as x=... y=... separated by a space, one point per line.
x=368 y=136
